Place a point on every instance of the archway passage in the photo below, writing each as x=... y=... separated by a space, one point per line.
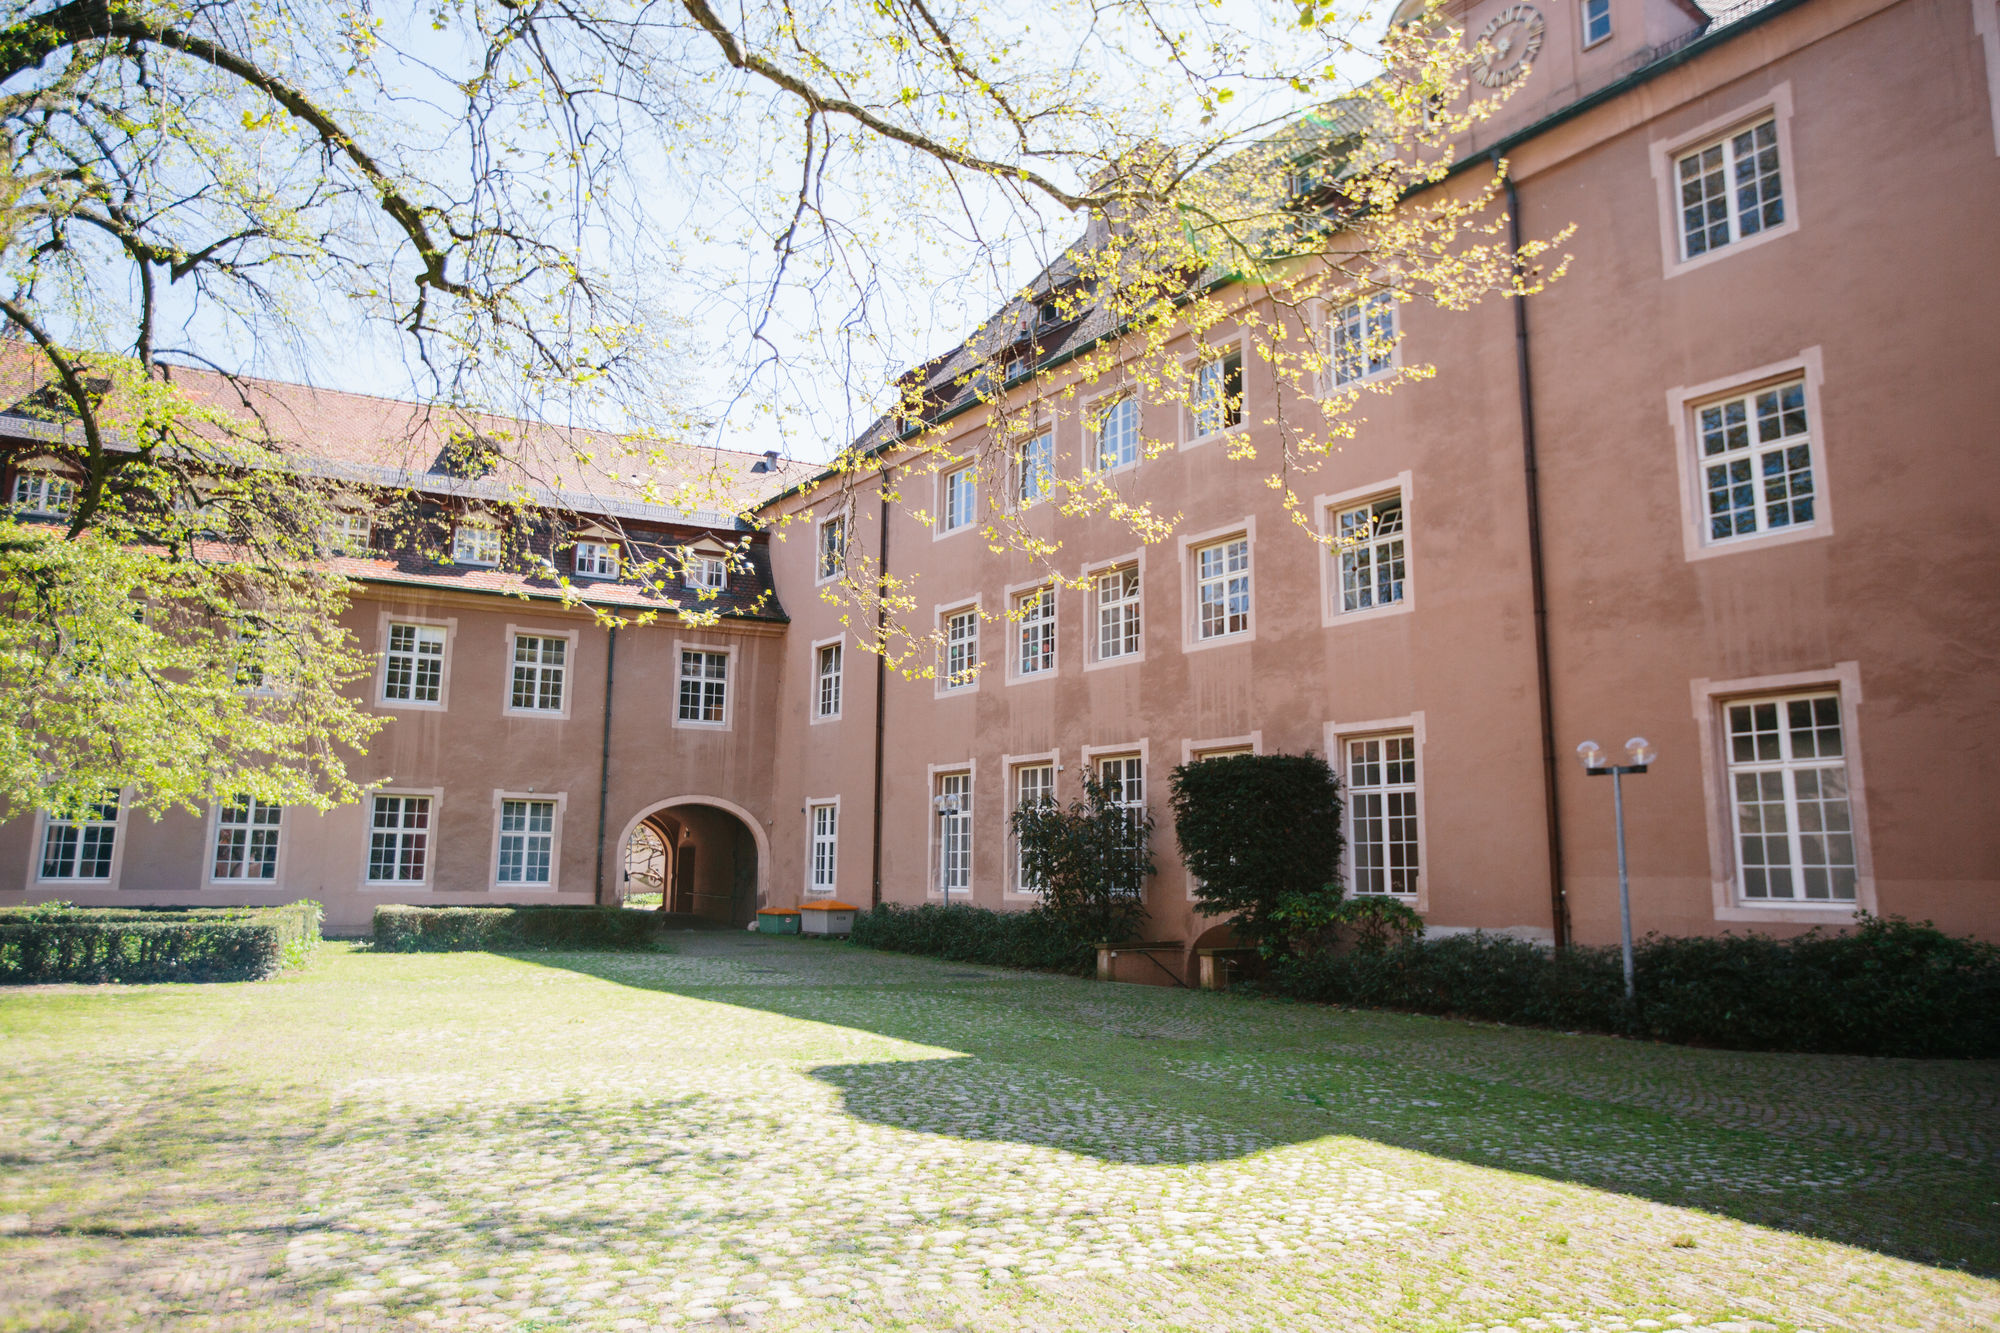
x=700 y=859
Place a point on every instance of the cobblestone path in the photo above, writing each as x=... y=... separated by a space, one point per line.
x=780 y=1133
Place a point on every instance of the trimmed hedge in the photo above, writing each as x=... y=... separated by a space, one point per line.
x=958 y=934
x=51 y=942
x=1889 y=987
x=401 y=929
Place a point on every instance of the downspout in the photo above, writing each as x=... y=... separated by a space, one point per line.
x=881 y=686
x=1531 y=476
x=604 y=757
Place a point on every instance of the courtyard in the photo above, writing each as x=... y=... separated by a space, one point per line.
x=784 y=1133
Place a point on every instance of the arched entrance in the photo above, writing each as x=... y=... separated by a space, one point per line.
x=707 y=858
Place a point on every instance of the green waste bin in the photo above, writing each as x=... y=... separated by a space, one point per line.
x=777 y=921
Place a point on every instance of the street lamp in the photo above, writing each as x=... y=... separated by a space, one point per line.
x=1641 y=753
x=947 y=807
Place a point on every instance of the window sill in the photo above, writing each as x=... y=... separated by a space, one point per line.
x=396 y=886
x=550 y=714
x=1106 y=663
x=1698 y=549
x=410 y=706
x=1397 y=608
x=1219 y=641
x=700 y=726
x=1213 y=436
x=1736 y=247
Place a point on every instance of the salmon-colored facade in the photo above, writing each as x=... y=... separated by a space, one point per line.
x=1722 y=486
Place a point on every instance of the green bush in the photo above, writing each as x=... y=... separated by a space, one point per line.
x=1260 y=833
x=51 y=942
x=1033 y=939
x=1889 y=987
x=400 y=929
x=1090 y=860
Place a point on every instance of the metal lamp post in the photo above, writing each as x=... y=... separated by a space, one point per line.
x=1641 y=753
x=947 y=806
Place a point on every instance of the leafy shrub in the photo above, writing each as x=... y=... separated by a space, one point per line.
x=1261 y=835
x=51 y=942
x=959 y=934
x=1371 y=922
x=401 y=929
x=1889 y=987
x=1091 y=860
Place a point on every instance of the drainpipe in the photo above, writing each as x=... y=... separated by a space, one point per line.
x=881 y=689
x=1531 y=475
x=604 y=758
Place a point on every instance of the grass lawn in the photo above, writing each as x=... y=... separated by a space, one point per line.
x=788 y=1133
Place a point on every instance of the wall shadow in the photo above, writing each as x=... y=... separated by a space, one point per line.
x=1139 y=1075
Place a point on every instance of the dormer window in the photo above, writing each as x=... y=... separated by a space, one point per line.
x=349 y=533
x=702 y=570
x=596 y=560
x=43 y=493
x=475 y=544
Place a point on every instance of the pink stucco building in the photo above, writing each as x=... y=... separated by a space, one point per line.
x=1723 y=486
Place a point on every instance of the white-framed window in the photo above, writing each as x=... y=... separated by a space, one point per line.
x=1382 y=836
x=954 y=832
x=399 y=839
x=348 y=533
x=1115 y=593
x=1034 y=469
x=475 y=544
x=246 y=840
x=1730 y=188
x=1035 y=632
x=82 y=848
x=832 y=556
x=248 y=671
x=1115 y=427
x=595 y=560
x=961 y=649
x=527 y=842
x=827 y=673
x=1124 y=779
x=1596 y=21
x=960 y=492
x=1222 y=588
x=700 y=570
x=413 y=665
x=1372 y=562
x=824 y=822
x=1789 y=801
x=1755 y=451
x=540 y=670
x=43 y=493
x=1361 y=340
x=1034 y=785
x=1217 y=402
x=704 y=694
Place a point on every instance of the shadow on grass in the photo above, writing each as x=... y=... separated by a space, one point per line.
x=1132 y=1075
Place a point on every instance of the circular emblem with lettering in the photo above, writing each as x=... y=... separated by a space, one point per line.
x=1512 y=39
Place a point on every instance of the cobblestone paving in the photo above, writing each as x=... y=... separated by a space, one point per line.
x=783 y=1134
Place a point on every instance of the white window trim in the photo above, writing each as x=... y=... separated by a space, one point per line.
x=1776 y=104
x=1191 y=642
x=1012 y=592
x=1089 y=573
x=1088 y=756
x=940 y=613
x=1708 y=697
x=933 y=891
x=729 y=682
x=1584 y=43
x=1681 y=405
x=428 y=882
x=1327 y=507
x=1337 y=736
x=1239 y=343
x=807 y=892
x=493 y=884
x=813 y=716
x=122 y=829
x=1192 y=749
x=449 y=624
x=819 y=537
x=48 y=470
x=468 y=524
x=938 y=479
x=1092 y=452
x=617 y=558
x=507 y=708
x=1009 y=890
x=1043 y=426
x=213 y=824
x=1986 y=26
x=1320 y=316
